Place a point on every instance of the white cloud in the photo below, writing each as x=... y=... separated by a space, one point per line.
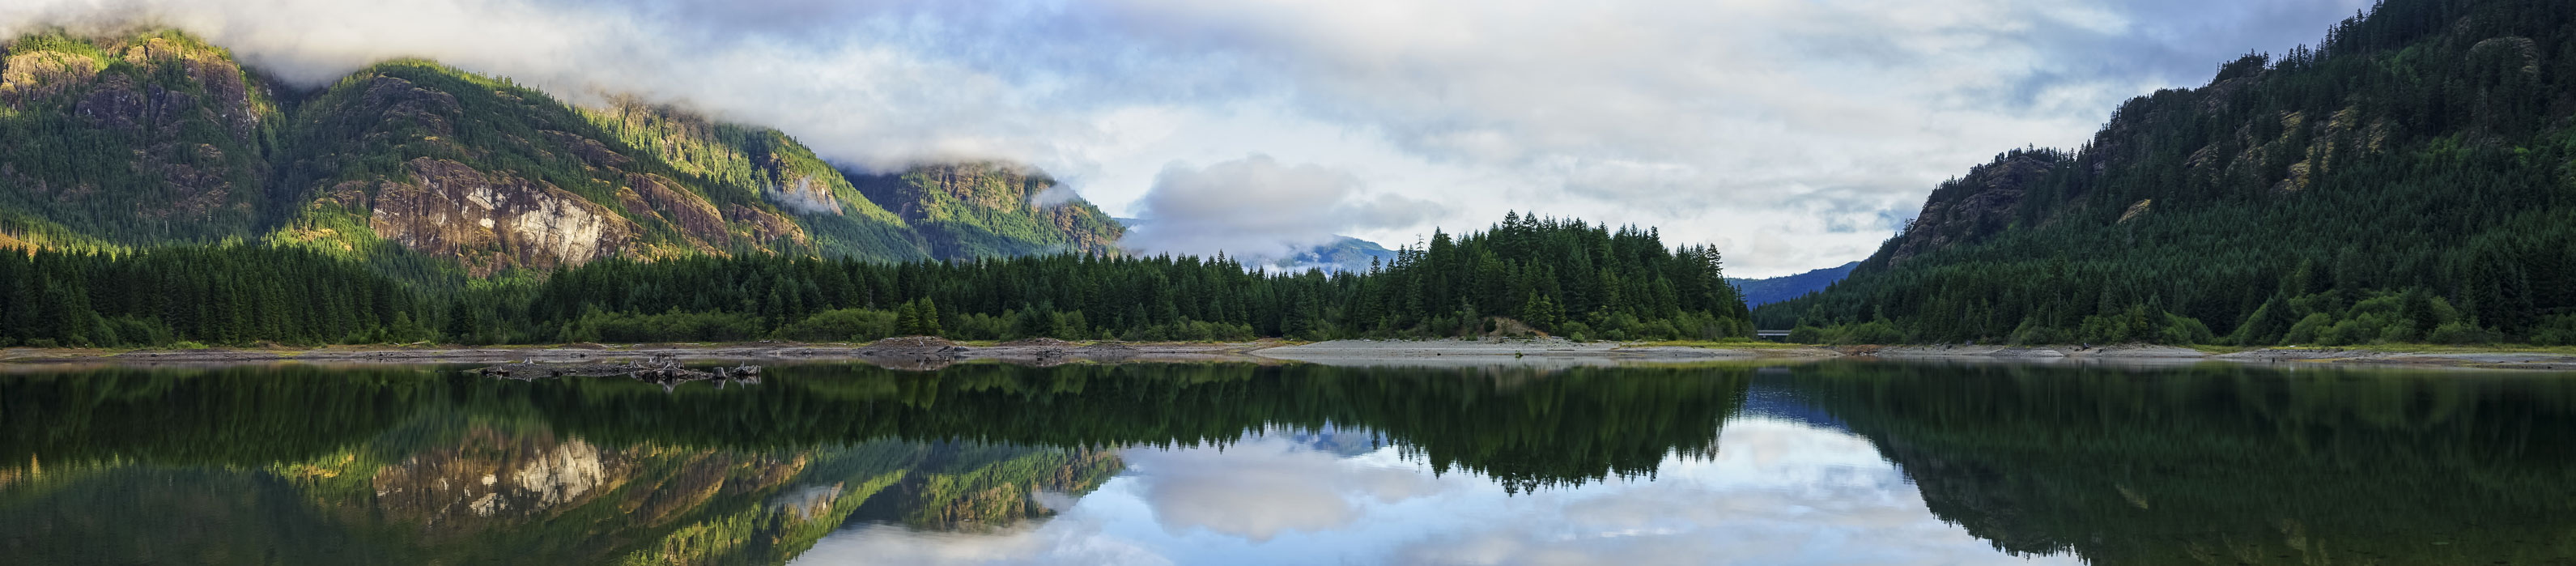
x=1257 y=207
x=1263 y=487
x=1720 y=121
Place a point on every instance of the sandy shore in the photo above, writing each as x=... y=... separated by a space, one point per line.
x=927 y=353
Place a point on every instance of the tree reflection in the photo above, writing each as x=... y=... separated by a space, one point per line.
x=2228 y=464
x=435 y=465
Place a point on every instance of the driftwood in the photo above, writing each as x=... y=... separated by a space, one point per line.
x=661 y=370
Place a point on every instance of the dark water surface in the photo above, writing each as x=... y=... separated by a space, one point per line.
x=1827 y=463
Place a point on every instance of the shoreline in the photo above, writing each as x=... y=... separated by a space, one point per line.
x=2467 y=358
x=932 y=353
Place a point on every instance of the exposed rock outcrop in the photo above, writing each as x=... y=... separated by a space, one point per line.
x=1970 y=208
x=492 y=222
x=660 y=197
x=39 y=75
x=492 y=478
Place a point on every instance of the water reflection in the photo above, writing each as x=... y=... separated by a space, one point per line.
x=1774 y=493
x=1192 y=464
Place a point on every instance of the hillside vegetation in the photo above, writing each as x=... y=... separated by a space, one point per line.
x=428 y=172
x=2411 y=178
x=1565 y=277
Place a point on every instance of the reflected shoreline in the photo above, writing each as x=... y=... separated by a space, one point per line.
x=435 y=464
x=929 y=354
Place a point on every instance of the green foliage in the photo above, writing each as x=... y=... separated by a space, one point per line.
x=1626 y=283
x=2223 y=463
x=977 y=210
x=918 y=317
x=838 y=325
x=2419 y=156
x=750 y=166
x=1872 y=332
x=671 y=326
x=2556 y=331
x=228 y=295
x=104 y=142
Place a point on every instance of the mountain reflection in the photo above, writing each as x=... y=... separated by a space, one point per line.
x=436 y=466
x=1902 y=462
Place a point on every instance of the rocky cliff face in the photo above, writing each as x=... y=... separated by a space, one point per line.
x=1970 y=208
x=492 y=480
x=539 y=187
x=495 y=478
x=491 y=222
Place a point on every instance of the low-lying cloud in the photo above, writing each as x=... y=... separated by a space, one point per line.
x=804 y=197
x=1259 y=208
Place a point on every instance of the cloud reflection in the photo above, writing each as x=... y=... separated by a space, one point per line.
x=1265 y=486
x=1776 y=493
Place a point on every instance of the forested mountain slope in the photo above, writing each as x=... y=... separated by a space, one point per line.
x=159 y=138
x=2413 y=178
x=130 y=140
x=973 y=210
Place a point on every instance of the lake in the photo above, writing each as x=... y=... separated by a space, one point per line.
x=1840 y=462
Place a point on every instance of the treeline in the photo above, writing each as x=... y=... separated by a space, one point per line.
x=231 y=294
x=1523 y=275
x=2407 y=181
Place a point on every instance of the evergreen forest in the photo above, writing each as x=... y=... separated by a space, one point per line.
x=2410 y=179
x=1522 y=276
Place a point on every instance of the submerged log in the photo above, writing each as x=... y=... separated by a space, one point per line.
x=661 y=370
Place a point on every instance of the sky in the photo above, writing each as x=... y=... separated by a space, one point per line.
x=1793 y=134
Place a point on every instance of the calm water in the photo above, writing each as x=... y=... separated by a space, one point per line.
x=1832 y=463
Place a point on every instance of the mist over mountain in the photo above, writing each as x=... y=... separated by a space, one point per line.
x=1342 y=254
x=159 y=137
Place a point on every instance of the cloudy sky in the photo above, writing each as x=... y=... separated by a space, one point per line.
x=1794 y=133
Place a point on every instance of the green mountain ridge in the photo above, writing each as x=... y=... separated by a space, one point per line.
x=2411 y=179
x=1758 y=292
x=159 y=138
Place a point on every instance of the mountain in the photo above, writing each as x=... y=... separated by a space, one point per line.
x=975 y=210
x=1344 y=253
x=2412 y=178
x=159 y=138
x=148 y=138
x=450 y=478
x=1758 y=292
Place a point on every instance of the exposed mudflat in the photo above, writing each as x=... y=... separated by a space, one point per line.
x=1548 y=351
